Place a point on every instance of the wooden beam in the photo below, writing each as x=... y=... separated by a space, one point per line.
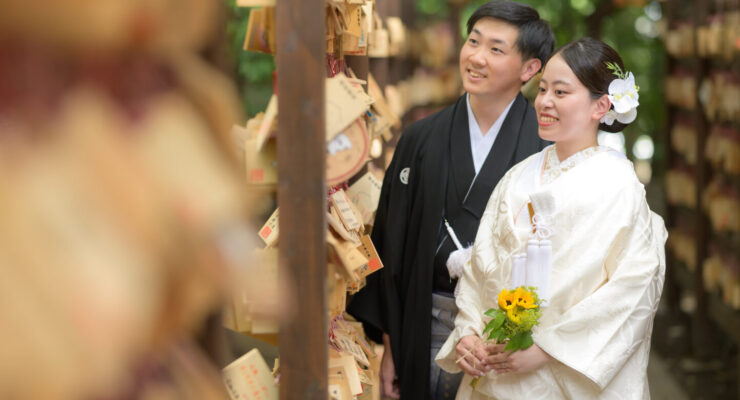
x=301 y=72
x=704 y=343
x=672 y=288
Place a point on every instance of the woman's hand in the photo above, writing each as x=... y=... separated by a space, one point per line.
x=522 y=360
x=497 y=357
x=471 y=355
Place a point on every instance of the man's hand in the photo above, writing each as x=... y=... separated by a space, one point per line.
x=471 y=354
x=388 y=383
x=522 y=361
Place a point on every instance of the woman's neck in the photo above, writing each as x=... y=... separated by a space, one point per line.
x=565 y=149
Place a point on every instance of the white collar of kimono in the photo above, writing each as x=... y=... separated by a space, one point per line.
x=553 y=167
x=481 y=144
x=532 y=185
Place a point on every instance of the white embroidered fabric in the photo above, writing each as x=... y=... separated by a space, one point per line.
x=554 y=167
x=606 y=274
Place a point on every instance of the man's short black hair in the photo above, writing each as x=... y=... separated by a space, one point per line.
x=535 y=39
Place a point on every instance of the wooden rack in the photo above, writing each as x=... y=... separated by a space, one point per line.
x=711 y=318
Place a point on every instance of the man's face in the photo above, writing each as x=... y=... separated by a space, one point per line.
x=490 y=64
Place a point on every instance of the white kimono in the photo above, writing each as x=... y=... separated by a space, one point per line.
x=604 y=279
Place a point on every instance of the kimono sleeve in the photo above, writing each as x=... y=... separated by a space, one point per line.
x=600 y=333
x=376 y=303
x=472 y=296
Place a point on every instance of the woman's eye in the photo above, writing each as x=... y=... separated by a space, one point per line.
x=496 y=50
x=541 y=90
x=560 y=92
x=473 y=41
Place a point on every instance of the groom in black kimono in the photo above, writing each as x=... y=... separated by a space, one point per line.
x=444 y=168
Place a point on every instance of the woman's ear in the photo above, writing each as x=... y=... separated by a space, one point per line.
x=602 y=106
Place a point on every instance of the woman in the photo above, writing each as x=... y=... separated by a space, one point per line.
x=603 y=267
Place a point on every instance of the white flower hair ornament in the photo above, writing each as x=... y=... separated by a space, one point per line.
x=623 y=94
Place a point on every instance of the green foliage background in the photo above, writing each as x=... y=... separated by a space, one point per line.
x=570 y=19
x=254 y=70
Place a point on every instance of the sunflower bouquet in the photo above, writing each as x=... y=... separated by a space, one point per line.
x=512 y=322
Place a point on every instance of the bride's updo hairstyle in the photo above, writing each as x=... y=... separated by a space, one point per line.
x=587 y=58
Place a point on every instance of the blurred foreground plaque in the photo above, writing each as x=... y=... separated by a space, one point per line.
x=249 y=378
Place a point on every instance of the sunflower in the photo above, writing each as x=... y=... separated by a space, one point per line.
x=526 y=300
x=514 y=315
x=506 y=299
x=518 y=293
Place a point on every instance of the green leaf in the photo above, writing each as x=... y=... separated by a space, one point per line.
x=520 y=341
x=616 y=69
x=491 y=312
x=527 y=340
x=489 y=327
x=513 y=344
x=499 y=320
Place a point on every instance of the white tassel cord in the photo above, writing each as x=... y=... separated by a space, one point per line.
x=542 y=273
x=456 y=262
x=519 y=270
x=531 y=263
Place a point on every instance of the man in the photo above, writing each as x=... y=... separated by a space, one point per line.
x=444 y=169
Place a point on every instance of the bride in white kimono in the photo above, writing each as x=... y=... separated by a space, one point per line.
x=597 y=255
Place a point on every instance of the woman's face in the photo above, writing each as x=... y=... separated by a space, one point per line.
x=566 y=112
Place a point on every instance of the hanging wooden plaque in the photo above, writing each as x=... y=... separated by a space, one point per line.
x=347 y=153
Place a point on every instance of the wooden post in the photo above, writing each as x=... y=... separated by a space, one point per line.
x=395 y=64
x=671 y=288
x=455 y=15
x=301 y=72
x=702 y=338
x=407 y=12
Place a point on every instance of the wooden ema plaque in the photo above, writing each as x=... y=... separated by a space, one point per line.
x=347 y=153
